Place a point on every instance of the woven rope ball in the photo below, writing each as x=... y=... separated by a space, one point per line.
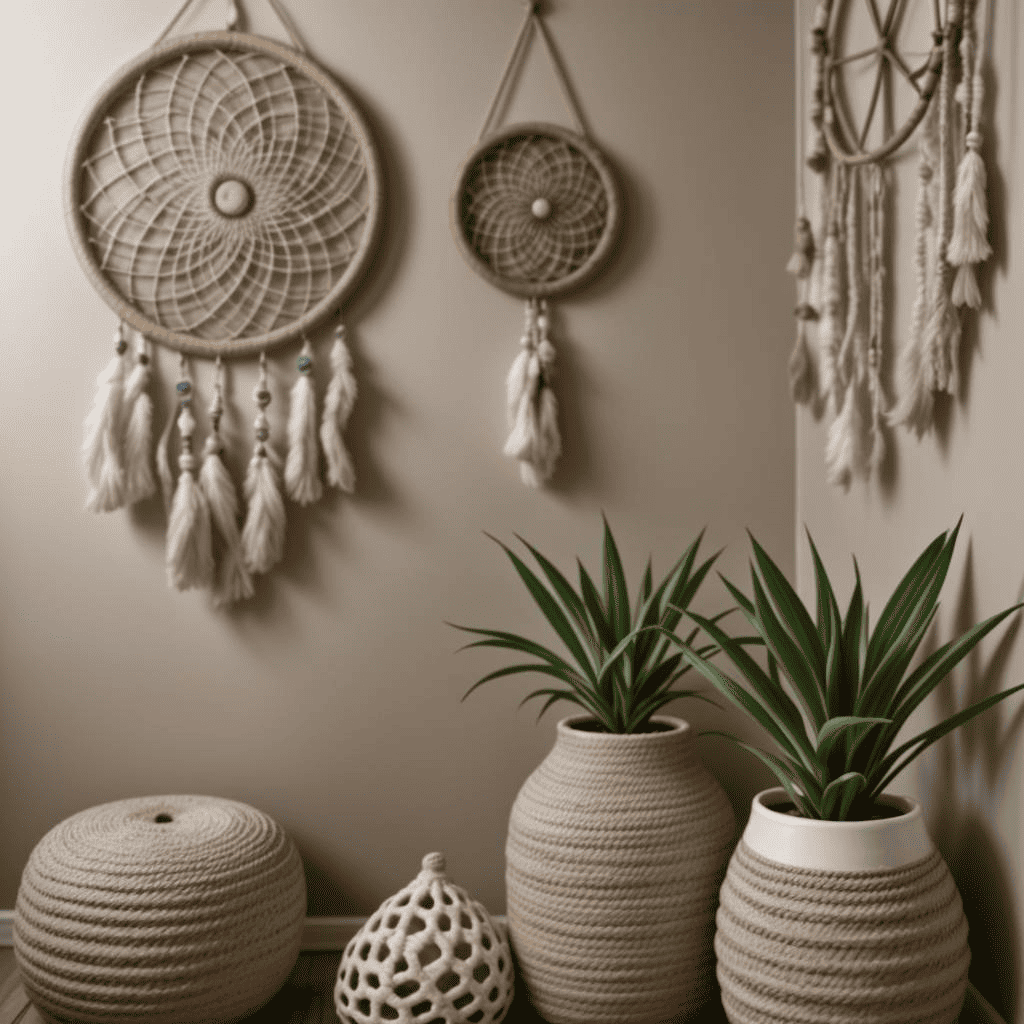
x=167 y=909
x=429 y=955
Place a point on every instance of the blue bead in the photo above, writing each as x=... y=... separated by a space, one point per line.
x=184 y=387
x=304 y=363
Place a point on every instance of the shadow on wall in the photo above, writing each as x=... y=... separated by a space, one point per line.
x=962 y=828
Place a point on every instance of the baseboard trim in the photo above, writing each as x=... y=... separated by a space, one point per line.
x=319 y=934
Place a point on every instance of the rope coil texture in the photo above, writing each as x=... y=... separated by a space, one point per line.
x=801 y=946
x=616 y=849
x=429 y=955
x=165 y=909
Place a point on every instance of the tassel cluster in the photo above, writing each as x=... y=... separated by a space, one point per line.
x=534 y=439
x=206 y=546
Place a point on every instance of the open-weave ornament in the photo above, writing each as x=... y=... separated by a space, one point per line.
x=951 y=221
x=222 y=193
x=536 y=212
x=429 y=955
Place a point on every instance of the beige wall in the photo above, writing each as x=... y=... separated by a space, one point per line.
x=971 y=785
x=332 y=700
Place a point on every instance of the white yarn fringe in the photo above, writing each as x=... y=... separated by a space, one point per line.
x=263 y=532
x=189 y=540
x=103 y=440
x=302 y=466
x=233 y=580
x=338 y=403
x=831 y=324
x=534 y=439
x=139 y=483
x=844 y=454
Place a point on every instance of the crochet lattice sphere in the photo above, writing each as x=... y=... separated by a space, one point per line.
x=166 y=909
x=430 y=955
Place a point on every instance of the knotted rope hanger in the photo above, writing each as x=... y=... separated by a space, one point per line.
x=533 y=23
x=235 y=20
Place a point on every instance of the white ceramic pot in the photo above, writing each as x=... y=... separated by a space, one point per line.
x=829 y=922
x=616 y=849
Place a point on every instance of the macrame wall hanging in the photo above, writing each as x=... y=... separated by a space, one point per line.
x=945 y=82
x=222 y=194
x=535 y=212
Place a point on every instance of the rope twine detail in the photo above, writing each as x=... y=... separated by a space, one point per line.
x=159 y=909
x=616 y=849
x=796 y=944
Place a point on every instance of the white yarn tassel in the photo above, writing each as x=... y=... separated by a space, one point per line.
x=844 y=455
x=138 y=439
x=534 y=439
x=831 y=323
x=969 y=243
x=302 y=467
x=103 y=440
x=263 y=532
x=338 y=403
x=189 y=541
x=233 y=580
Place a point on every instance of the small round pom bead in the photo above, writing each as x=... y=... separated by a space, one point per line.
x=304 y=363
x=262 y=434
x=541 y=208
x=262 y=398
x=121 y=346
x=143 y=359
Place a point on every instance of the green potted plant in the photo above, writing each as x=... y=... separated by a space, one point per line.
x=836 y=903
x=617 y=843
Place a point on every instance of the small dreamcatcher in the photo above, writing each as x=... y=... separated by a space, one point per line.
x=535 y=212
x=222 y=193
x=850 y=154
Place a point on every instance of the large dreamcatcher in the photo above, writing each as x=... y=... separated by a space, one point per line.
x=535 y=211
x=942 y=84
x=222 y=193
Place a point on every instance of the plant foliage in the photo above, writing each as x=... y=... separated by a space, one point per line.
x=850 y=689
x=620 y=666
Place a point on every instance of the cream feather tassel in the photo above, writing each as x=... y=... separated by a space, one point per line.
x=263 y=532
x=534 y=439
x=103 y=435
x=338 y=402
x=302 y=466
x=844 y=455
x=138 y=439
x=189 y=541
x=233 y=580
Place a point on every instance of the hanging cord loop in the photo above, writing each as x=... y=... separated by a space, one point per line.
x=532 y=22
x=234 y=20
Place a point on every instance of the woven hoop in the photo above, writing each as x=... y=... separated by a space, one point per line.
x=162 y=909
x=616 y=849
x=222 y=193
x=535 y=210
x=797 y=945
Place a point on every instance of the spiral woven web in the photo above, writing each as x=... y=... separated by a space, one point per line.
x=204 y=262
x=497 y=208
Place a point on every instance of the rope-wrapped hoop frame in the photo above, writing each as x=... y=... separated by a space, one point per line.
x=846 y=141
x=278 y=203
x=536 y=209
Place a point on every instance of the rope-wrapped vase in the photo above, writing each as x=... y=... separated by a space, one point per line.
x=167 y=910
x=840 y=922
x=430 y=954
x=616 y=849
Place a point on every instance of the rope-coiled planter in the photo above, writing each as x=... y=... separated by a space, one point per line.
x=165 y=909
x=802 y=942
x=616 y=849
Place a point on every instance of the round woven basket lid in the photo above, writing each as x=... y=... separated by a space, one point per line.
x=222 y=193
x=536 y=209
